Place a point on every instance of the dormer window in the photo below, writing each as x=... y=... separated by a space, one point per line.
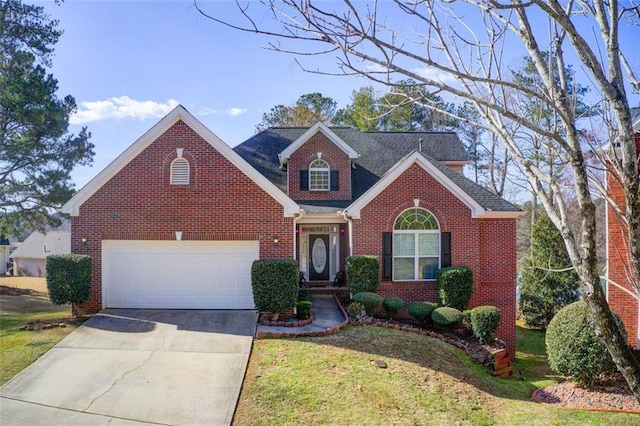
x=179 y=172
x=319 y=173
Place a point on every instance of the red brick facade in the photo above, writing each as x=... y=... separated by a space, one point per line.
x=222 y=202
x=487 y=246
x=139 y=204
x=333 y=155
x=618 y=261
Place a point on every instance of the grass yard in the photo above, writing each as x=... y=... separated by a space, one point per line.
x=331 y=380
x=20 y=304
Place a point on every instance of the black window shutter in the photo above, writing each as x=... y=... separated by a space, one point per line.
x=445 y=249
x=334 y=180
x=387 y=256
x=304 y=180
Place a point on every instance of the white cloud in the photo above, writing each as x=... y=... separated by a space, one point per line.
x=376 y=68
x=121 y=107
x=434 y=74
x=208 y=111
x=236 y=111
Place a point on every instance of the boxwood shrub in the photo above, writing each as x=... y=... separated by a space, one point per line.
x=484 y=322
x=68 y=278
x=370 y=301
x=573 y=348
x=455 y=286
x=421 y=311
x=363 y=274
x=275 y=284
x=303 y=309
x=446 y=316
x=392 y=305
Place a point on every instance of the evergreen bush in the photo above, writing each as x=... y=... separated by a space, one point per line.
x=446 y=316
x=370 y=301
x=421 y=311
x=303 y=309
x=548 y=283
x=455 y=286
x=484 y=322
x=573 y=348
x=392 y=305
x=68 y=278
x=275 y=284
x=363 y=274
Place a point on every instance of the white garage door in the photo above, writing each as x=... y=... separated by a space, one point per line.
x=178 y=274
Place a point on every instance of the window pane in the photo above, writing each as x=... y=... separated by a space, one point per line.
x=404 y=244
x=318 y=180
x=416 y=219
x=403 y=269
x=428 y=245
x=428 y=268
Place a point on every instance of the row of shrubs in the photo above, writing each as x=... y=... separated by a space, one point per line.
x=483 y=321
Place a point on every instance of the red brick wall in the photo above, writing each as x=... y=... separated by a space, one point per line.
x=618 y=261
x=487 y=246
x=220 y=203
x=334 y=156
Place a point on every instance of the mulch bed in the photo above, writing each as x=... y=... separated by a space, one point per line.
x=612 y=394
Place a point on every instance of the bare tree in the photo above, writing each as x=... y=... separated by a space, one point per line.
x=464 y=48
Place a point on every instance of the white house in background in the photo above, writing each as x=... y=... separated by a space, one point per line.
x=6 y=248
x=30 y=258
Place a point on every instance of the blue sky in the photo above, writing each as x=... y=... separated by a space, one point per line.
x=128 y=63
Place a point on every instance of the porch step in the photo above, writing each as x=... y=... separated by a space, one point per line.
x=328 y=290
x=311 y=284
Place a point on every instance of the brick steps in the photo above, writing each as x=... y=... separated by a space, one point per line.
x=502 y=364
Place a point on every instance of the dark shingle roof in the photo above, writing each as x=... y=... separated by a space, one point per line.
x=378 y=151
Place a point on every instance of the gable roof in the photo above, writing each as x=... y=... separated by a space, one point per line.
x=178 y=113
x=39 y=245
x=481 y=202
x=318 y=127
x=379 y=151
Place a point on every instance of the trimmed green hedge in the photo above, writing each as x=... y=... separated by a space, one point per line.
x=275 y=284
x=363 y=274
x=455 y=286
x=392 y=305
x=484 y=322
x=446 y=316
x=421 y=311
x=370 y=301
x=573 y=348
x=68 y=278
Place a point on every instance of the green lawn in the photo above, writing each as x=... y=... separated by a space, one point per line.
x=19 y=348
x=331 y=380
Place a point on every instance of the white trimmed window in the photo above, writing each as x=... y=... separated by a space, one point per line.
x=416 y=246
x=179 y=172
x=319 y=175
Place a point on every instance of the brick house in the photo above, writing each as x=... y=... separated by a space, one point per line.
x=621 y=295
x=177 y=219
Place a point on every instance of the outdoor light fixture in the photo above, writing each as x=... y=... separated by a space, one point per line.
x=276 y=240
x=83 y=241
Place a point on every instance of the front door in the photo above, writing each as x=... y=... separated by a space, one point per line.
x=319 y=257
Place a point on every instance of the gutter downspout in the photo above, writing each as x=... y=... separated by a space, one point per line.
x=350 y=222
x=297 y=217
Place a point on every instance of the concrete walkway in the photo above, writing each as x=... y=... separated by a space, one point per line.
x=327 y=317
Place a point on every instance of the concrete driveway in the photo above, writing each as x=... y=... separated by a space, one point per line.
x=129 y=366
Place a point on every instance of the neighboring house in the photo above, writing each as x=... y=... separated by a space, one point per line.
x=6 y=248
x=623 y=298
x=30 y=258
x=178 y=218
